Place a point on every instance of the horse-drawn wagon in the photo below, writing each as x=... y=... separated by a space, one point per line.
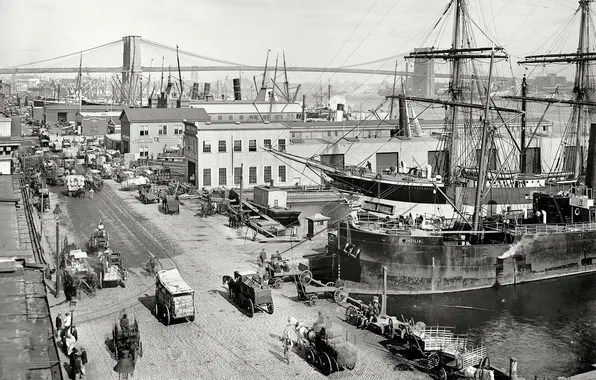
x=146 y=194
x=247 y=290
x=171 y=204
x=174 y=299
x=112 y=269
x=127 y=346
x=78 y=274
x=99 y=240
x=324 y=347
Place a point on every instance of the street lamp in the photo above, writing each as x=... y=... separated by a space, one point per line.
x=57 y=214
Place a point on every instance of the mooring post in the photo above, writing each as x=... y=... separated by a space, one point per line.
x=513 y=368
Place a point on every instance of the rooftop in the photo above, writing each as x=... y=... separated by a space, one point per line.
x=85 y=107
x=163 y=114
x=101 y=113
x=247 y=107
x=26 y=345
x=14 y=232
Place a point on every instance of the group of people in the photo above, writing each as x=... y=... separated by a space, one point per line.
x=371 y=313
x=69 y=336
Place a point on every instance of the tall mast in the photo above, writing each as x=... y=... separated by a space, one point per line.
x=179 y=76
x=161 y=81
x=582 y=59
x=286 y=83
x=524 y=94
x=393 y=91
x=483 y=158
x=581 y=82
x=455 y=91
x=272 y=98
x=265 y=70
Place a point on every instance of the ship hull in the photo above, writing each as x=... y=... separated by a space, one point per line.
x=428 y=264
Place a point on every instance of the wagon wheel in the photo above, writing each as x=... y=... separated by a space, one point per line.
x=251 y=308
x=340 y=294
x=313 y=300
x=311 y=357
x=124 y=274
x=305 y=277
x=140 y=349
x=115 y=340
x=351 y=315
x=326 y=364
x=270 y=308
x=278 y=283
x=330 y=284
x=301 y=295
x=440 y=373
x=334 y=365
x=168 y=319
x=433 y=360
x=157 y=313
x=351 y=366
x=231 y=293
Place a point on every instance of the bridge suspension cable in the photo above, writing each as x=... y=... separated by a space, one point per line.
x=166 y=47
x=67 y=55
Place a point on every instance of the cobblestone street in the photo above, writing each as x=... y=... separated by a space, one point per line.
x=222 y=342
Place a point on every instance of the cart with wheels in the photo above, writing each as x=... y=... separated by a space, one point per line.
x=174 y=299
x=112 y=269
x=127 y=347
x=310 y=289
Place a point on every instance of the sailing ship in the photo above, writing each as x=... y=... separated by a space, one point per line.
x=556 y=237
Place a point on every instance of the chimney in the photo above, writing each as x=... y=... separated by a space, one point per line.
x=207 y=89
x=304 y=108
x=195 y=91
x=339 y=114
x=591 y=164
x=404 y=128
x=237 y=90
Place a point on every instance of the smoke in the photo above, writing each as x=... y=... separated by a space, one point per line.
x=519 y=247
x=335 y=100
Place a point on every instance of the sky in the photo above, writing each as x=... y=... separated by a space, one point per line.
x=322 y=33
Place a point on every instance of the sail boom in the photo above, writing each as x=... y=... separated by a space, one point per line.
x=550 y=100
x=458 y=104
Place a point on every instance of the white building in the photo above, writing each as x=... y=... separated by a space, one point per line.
x=245 y=111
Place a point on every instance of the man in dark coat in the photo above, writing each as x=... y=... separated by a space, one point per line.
x=58 y=323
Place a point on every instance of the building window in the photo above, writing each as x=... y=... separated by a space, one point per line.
x=223 y=177
x=206 y=177
x=252 y=175
x=298 y=116
x=230 y=117
x=241 y=117
x=336 y=134
x=267 y=143
x=329 y=133
x=282 y=173
x=144 y=130
x=252 y=145
x=237 y=145
x=143 y=152
x=293 y=135
x=237 y=176
x=163 y=130
x=281 y=144
x=267 y=174
x=221 y=146
x=278 y=117
x=178 y=130
x=220 y=117
x=206 y=146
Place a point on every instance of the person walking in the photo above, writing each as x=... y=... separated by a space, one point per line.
x=263 y=257
x=74 y=333
x=67 y=320
x=58 y=323
x=83 y=360
x=91 y=192
x=289 y=336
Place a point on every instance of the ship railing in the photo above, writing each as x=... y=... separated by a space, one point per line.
x=552 y=228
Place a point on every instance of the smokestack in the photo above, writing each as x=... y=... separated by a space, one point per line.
x=237 y=90
x=339 y=114
x=304 y=108
x=195 y=91
x=404 y=129
x=591 y=165
x=207 y=89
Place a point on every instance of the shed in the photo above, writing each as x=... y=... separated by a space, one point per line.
x=269 y=196
x=315 y=224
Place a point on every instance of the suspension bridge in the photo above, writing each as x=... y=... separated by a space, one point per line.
x=134 y=48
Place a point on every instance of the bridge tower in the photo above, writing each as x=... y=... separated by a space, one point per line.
x=131 y=64
x=424 y=75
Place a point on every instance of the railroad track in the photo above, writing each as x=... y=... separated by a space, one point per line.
x=33 y=233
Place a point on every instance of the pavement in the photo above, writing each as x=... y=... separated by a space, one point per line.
x=222 y=342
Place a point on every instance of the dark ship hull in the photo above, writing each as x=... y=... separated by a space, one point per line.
x=436 y=263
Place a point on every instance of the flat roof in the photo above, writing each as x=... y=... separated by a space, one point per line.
x=14 y=238
x=151 y=115
x=26 y=346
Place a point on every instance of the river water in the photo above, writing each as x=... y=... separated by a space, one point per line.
x=549 y=326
